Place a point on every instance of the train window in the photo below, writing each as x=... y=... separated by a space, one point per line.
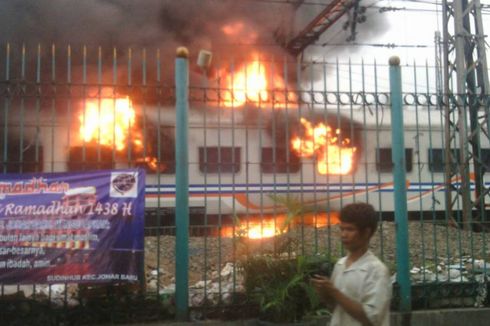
x=219 y=159
x=84 y=158
x=437 y=160
x=17 y=160
x=276 y=160
x=384 y=161
x=149 y=158
x=485 y=159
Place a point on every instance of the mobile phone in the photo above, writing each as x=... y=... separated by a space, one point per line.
x=317 y=276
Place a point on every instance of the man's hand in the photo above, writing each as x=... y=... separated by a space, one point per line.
x=325 y=288
x=330 y=295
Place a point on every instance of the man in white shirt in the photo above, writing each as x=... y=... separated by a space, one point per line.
x=360 y=286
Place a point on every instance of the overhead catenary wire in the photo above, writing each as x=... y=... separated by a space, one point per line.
x=380 y=10
x=383 y=45
x=371 y=6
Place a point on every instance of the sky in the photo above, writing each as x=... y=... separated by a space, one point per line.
x=408 y=24
x=393 y=28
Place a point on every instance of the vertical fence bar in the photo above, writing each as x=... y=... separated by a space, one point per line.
x=84 y=99
x=235 y=147
x=69 y=86
x=365 y=107
x=159 y=160
x=398 y=157
x=99 y=104
x=6 y=107
x=145 y=140
x=419 y=166
x=37 y=109
x=53 y=110
x=129 y=70
x=68 y=139
x=207 y=228
x=327 y=176
x=378 y=111
x=181 y=185
x=22 y=110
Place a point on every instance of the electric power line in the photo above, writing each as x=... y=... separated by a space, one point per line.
x=383 y=45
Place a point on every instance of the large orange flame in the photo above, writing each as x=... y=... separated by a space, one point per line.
x=254 y=83
x=107 y=121
x=112 y=122
x=333 y=154
x=268 y=226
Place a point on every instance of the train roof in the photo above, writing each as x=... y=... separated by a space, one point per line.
x=379 y=117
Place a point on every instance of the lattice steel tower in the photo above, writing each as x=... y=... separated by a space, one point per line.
x=466 y=108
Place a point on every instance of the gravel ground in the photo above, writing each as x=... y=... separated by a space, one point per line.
x=429 y=243
x=437 y=253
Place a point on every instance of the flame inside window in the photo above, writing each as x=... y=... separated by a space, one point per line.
x=107 y=121
x=112 y=122
x=254 y=83
x=334 y=154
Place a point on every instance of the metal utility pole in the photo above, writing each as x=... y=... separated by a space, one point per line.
x=466 y=108
x=332 y=12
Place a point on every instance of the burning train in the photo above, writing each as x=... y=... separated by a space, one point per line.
x=249 y=150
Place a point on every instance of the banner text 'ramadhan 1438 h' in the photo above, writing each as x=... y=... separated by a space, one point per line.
x=72 y=227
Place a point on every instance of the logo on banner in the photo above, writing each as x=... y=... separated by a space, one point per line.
x=124 y=185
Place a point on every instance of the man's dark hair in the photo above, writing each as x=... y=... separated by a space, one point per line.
x=361 y=215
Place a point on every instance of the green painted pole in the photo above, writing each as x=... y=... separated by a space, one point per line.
x=399 y=179
x=181 y=185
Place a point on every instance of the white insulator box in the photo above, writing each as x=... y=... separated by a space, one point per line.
x=204 y=59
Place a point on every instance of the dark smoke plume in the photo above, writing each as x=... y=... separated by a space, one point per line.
x=228 y=28
x=150 y=24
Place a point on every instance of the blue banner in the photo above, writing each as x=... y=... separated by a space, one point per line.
x=72 y=227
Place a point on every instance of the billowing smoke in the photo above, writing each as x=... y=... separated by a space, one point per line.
x=228 y=28
x=224 y=27
x=121 y=29
x=124 y=23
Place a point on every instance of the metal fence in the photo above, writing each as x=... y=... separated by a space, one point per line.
x=273 y=145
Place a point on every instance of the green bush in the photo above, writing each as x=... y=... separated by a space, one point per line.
x=281 y=287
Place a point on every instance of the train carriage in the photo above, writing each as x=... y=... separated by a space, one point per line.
x=241 y=160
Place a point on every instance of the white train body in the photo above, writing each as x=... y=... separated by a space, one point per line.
x=249 y=190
